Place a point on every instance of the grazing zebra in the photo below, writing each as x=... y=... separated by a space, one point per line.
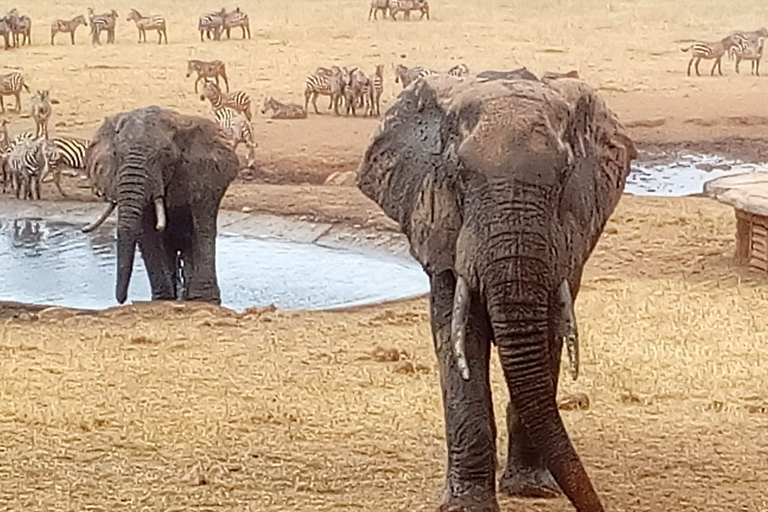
x=406 y=6
x=28 y=162
x=207 y=70
x=283 y=110
x=102 y=23
x=41 y=113
x=237 y=18
x=376 y=6
x=710 y=51
x=321 y=84
x=238 y=101
x=377 y=89
x=407 y=76
x=67 y=27
x=11 y=85
x=144 y=23
x=212 y=23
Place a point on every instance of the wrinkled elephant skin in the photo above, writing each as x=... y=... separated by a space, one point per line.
x=166 y=174
x=503 y=189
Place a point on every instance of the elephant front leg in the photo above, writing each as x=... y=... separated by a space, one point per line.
x=200 y=261
x=153 y=253
x=469 y=421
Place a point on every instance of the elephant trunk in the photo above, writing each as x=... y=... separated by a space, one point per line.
x=131 y=203
x=516 y=277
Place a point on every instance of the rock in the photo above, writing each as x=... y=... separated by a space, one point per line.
x=246 y=209
x=341 y=179
x=573 y=402
x=404 y=367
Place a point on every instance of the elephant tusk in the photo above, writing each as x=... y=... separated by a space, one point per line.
x=459 y=320
x=98 y=222
x=570 y=332
x=160 y=214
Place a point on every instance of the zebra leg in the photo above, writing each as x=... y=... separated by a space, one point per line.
x=738 y=59
x=18 y=101
x=72 y=34
x=697 y=66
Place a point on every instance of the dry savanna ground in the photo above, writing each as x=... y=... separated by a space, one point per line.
x=179 y=407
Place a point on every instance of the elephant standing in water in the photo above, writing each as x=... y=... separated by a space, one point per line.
x=503 y=189
x=166 y=173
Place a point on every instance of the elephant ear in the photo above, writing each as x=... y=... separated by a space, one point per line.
x=411 y=174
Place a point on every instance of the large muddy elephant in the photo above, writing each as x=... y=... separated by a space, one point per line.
x=503 y=189
x=166 y=173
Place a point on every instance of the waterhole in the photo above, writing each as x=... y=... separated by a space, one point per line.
x=680 y=173
x=53 y=263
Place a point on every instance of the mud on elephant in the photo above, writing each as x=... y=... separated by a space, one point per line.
x=503 y=189
x=166 y=174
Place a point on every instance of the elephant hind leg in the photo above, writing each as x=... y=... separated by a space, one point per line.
x=200 y=258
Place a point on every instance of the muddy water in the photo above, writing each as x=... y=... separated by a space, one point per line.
x=680 y=173
x=52 y=262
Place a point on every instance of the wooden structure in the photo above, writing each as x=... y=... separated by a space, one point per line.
x=748 y=194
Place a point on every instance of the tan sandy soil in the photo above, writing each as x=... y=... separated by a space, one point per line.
x=166 y=407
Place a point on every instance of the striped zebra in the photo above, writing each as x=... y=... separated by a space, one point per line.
x=211 y=23
x=459 y=70
x=144 y=23
x=28 y=161
x=376 y=90
x=237 y=130
x=237 y=18
x=750 y=47
x=212 y=69
x=238 y=101
x=41 y=113
x=710 y=51
x=67 y=27
x=67 y=152
x=325 y=84
x=22 y=28
x=406 y=6
x=11 y=85
x=102 y=23
x=407 y=76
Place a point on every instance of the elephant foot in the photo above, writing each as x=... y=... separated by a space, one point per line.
x=529 y=483
x=472 y=500
x=470 y=504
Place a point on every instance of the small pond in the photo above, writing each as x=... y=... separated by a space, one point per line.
x=682 y=174
x=52 y=262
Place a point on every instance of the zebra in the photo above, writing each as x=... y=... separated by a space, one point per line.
x=11 y=85
x=41 y=113
x=235 y=19
x=283 y=110
x=323 y=84
x=12 y=19
x=144 y=23
x=406 y=6
x=459 y=70
x=212 y=22
x=376 y=6
x=22 y=27
x=102 y=23
x=67 y=27
x=65 y=152
x=28 y=162
x=750 y=47
x=6 y=32
x=237 y=130
x=238 y=100
x=407 y=76
x=710 y=51
x=207 y=70
x=357 y=91
x=376 y=90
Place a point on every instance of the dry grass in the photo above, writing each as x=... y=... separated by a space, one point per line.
x=173 y=408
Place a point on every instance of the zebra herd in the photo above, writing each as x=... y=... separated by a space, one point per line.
x=214 y=24
x=739 y=45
